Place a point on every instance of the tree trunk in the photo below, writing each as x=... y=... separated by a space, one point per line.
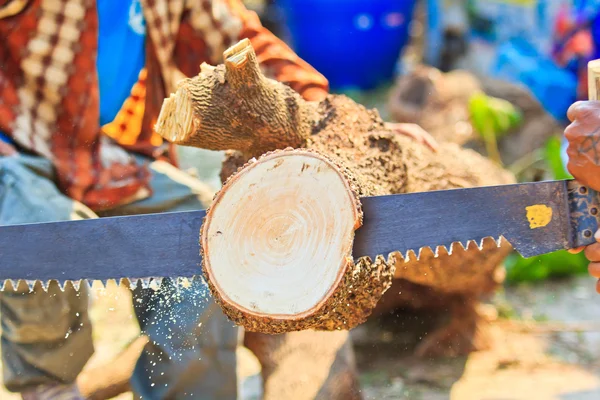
x=278 y=237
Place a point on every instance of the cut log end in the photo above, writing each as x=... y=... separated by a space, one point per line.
x=256 y=235
x=277 y=243
x=175 y=122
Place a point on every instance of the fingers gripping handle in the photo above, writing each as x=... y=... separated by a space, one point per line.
x=593 y=80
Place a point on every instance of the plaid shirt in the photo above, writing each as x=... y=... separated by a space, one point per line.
x=49 y=101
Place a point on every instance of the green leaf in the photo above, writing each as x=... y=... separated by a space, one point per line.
x=505 y=116
x=493 y=116
x=478 y=110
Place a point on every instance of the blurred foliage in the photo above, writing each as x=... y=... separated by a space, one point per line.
x=492 y=119
x=553 y=265
x=492 y=114
x=552 y=155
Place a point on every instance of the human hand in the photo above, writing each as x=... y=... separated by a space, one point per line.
x=592 y=253
x=583 y=135
x=415 y=132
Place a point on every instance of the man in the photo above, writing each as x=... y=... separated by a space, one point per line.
x=81 y=85
x=583 y=136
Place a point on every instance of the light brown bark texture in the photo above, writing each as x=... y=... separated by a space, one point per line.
x=439 y=103
x=234 y=107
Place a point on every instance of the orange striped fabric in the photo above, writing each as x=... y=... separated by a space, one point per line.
x=49 y=89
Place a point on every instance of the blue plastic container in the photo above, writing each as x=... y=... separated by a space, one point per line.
x=354 y=43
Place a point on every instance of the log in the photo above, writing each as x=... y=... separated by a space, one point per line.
x=254 y=243
x=234 y=107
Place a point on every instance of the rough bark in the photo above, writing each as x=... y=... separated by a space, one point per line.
x=353 y=138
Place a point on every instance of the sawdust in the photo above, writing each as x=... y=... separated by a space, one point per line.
x=519 y=365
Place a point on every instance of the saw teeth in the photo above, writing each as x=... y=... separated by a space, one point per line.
x=442 y=251
x=7 y=285
x=427 y=252
x=184 y=282
x=145 y=282
x=30 y=284
x=134 y=283
x=154 y=283
x=410 y=255
x=125 y=282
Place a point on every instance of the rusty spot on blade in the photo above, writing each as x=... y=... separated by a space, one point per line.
x=539 y=215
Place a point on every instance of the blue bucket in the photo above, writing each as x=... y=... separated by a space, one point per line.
x=354 y=43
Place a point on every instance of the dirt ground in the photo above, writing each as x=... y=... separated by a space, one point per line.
x=547 y=349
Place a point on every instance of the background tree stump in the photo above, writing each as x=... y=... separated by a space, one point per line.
x=439 y=102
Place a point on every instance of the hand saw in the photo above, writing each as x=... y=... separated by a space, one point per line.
x=536 y=218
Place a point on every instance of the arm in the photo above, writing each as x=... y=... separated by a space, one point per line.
x=583 y=135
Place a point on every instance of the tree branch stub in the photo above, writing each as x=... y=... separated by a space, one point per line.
x=234 y=107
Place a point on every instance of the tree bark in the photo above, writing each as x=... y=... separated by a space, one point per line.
x=233 y=107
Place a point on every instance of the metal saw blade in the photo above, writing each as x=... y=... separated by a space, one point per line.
x=141 y=249
x=145 y=248
x=407 y=223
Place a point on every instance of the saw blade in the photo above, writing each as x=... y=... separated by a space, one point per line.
x=136 y=250
x=535 y=218
x=439 y=220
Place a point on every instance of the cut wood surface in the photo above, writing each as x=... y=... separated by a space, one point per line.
x=277 y=246
x=234 y=107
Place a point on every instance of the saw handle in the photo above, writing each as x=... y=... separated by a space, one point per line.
x=584 y=202
x=584 y=209
x=593 y=80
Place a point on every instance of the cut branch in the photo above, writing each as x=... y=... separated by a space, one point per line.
x=235 y=107
x=277 y=246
